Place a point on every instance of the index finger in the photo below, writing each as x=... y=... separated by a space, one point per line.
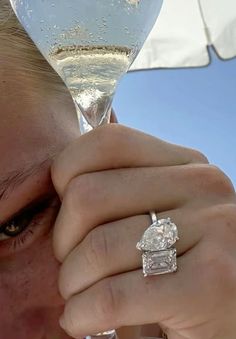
x=115 y=146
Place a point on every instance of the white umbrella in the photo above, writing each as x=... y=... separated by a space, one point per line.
x=184 y=30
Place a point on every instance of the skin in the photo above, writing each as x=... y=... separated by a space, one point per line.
x=120 y=187
x=101 y=187
x=31 y=133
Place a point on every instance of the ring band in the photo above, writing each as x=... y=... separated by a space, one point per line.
x=153 y=216
x=158 y=255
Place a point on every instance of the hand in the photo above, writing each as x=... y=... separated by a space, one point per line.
x=108 y=181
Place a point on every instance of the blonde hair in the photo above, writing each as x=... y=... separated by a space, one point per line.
x=16 y=48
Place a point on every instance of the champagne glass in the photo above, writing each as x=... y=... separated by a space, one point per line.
x=91 y=44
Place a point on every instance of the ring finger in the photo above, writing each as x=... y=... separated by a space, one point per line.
x=97 y=198
x=110 y=249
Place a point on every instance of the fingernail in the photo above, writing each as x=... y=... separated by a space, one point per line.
x=62 y=322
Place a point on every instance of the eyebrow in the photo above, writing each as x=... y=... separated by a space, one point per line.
x=14 y=179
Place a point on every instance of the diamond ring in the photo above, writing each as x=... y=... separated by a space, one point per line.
x=159 y=257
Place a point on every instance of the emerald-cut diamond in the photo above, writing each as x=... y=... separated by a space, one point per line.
x=160 y=262
x=159 y=236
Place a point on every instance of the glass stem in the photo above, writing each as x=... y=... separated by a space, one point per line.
x=84 y=124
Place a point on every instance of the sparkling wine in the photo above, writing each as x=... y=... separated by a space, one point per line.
x=91 y=74
x=83 y=37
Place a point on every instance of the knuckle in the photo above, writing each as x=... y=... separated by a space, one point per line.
x=107 y=304
x=71 y=323
x=219 y=271
x=97 y=248
x=198 y=157
x=55 y=171
x=82 y=191
x=213 y=180
x=110 y=131
x=222 y=221
x=110 y=137
x=64 y=282
x=58 y=172
x=228 y=214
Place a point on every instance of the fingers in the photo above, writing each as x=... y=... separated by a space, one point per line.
x=116 y=146
x=187 y=302
x=111 y=302
x=95 y=199
x=111 y=249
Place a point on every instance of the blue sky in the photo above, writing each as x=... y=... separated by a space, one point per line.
x=191 y=107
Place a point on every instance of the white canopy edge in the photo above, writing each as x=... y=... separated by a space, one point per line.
x=183 y=31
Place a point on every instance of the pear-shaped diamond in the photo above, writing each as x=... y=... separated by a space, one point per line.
x=159 y=236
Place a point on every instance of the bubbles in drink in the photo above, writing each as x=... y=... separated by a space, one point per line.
x=91 y=73
x=133 y=2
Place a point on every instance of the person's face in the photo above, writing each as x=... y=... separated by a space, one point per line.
x=33 y=129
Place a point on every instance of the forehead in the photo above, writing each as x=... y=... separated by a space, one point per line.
x=33 y=128
x=29 y=88
x=32 y=121
x=21 y=126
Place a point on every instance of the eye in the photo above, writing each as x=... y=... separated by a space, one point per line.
x=20 y=222
x=15 y=232
x=16 y=226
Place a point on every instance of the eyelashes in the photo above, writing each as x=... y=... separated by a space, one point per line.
x=20 y=222
x=22 y=227
x=16 y=225
x=19 y=241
